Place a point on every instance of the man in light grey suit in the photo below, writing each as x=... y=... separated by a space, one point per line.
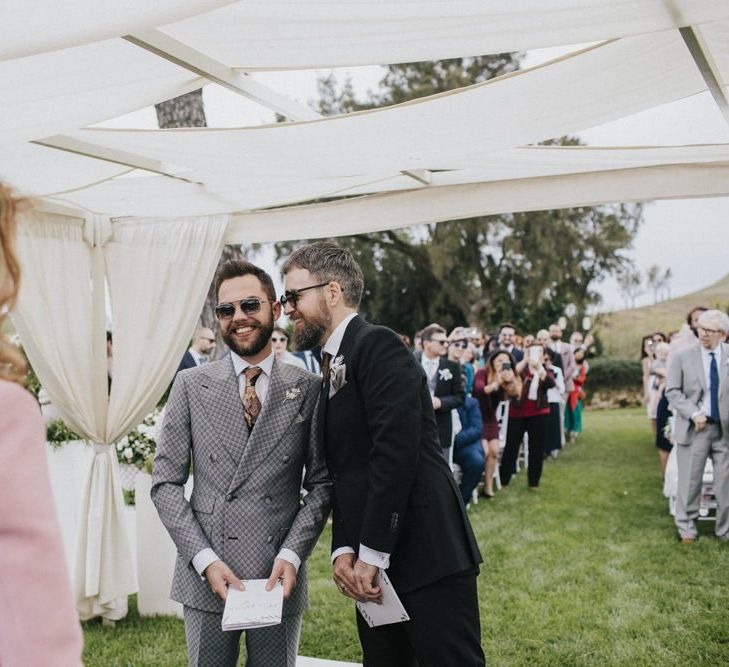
x=247 y=423
x=698 y=392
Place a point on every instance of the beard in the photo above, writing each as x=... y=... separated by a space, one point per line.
x=313 y=330
x=254 y=346
x=554 y=337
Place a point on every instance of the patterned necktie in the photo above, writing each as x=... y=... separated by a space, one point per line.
x=714 y=387
x=326 y=359
x=251 y=403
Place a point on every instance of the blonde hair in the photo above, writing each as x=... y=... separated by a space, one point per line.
x=12 y=363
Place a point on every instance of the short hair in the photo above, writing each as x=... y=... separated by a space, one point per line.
x=330 y=262
x=281 y=330
x=234 y=268
x=721 y=319
x=703 y=309
x=430 y=330
x=506 y=325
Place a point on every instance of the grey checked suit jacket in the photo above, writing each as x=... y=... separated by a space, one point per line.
x=245 y=503
x=686 y=388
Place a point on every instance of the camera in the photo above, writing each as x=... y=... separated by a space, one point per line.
x=506 y=366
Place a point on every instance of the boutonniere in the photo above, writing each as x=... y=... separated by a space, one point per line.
x=337 y=375
x=445 y=374
x=292 y=394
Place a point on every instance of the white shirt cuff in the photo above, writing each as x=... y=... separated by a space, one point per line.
x=342 y=550
x=698 y=412
x=372 y=557
x=291 y=557
x=202 y=559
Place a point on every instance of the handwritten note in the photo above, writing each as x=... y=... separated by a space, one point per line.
x=390 y=611
x=255 y=607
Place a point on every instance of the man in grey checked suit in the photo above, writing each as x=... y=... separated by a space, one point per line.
x=698 y=392
x=247 y=423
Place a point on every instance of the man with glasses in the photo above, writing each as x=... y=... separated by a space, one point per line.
x=396 y=505
x=247 y=423
x=506 y=341
x=444 y=381
x=698 y=391
x=203 y=344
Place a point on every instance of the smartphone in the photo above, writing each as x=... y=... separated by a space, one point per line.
x=535 y=353
x=506 y=366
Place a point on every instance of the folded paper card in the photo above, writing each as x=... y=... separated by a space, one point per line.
x=391 y=609
x=254 y=607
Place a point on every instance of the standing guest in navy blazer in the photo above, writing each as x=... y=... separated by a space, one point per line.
x=467 y=450
x=203 y=344
x=396 y=504
x=446 y=386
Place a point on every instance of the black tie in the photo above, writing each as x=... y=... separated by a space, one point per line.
x=714 y=387
x=326 y=359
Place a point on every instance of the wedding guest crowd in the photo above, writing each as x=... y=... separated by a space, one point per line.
x=505 y=393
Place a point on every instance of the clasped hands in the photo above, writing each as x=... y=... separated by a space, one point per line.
x=355 y=579
x=220 y=577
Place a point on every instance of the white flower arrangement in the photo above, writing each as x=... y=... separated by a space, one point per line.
x=139 y=445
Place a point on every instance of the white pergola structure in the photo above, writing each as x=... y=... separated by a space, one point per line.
x=145 y=213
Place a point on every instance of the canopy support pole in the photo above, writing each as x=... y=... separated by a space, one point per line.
x=704 y=61
x=176 y=52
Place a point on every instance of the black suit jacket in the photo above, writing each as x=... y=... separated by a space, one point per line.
x=393 y=490
x=450 y=390
x=187 y=362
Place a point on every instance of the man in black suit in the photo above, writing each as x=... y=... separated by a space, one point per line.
x=444 y=381
x=506 y=341
x=396 y=504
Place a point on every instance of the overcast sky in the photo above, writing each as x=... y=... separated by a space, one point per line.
x=690 y=236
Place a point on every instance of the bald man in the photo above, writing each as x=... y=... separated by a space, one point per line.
x=203 y=343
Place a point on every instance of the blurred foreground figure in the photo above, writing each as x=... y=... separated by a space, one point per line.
x=38 y=621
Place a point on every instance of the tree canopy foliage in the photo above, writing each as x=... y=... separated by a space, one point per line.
x=522 y=267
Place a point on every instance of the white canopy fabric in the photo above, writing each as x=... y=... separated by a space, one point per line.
x=158 y=194
x=431 y=205
x=63 y=90
x=300 y=34
x=66 y=262
x=52 y=25
x=468 y=153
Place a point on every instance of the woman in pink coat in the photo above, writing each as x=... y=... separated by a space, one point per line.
x=38 y=622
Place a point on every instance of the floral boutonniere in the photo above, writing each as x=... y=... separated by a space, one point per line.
x=445 y=374
x=292 y=394
x=337 y=375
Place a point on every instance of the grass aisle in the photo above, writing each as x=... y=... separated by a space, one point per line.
x=587 y=571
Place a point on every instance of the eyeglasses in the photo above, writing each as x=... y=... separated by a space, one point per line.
x=709 y=331
x=248 y=306
x=459 y=343
x=279 y=340
x=292 y=296
x=439 y=341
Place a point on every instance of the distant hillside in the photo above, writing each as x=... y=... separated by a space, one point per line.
x=621 y=331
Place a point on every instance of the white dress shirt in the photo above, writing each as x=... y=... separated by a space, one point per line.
x=203 y=558
x=366 y=555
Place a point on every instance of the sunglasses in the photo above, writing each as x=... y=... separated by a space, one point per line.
x=459 y=343
x=278 y=340
x=292 y=296
x=248 y=306
x=438 y=341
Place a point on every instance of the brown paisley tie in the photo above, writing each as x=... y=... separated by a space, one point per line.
x=251 y=403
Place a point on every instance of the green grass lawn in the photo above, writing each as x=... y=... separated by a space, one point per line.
x=587 y=571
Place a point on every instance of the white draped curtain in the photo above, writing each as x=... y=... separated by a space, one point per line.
x=158 y=272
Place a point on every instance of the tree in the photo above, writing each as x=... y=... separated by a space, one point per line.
x=189 y=111
x=653 y=280
x=522 y=267
x=630 y=282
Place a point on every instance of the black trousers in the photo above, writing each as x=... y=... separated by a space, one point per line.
x=538 y=429
x=444 y=629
